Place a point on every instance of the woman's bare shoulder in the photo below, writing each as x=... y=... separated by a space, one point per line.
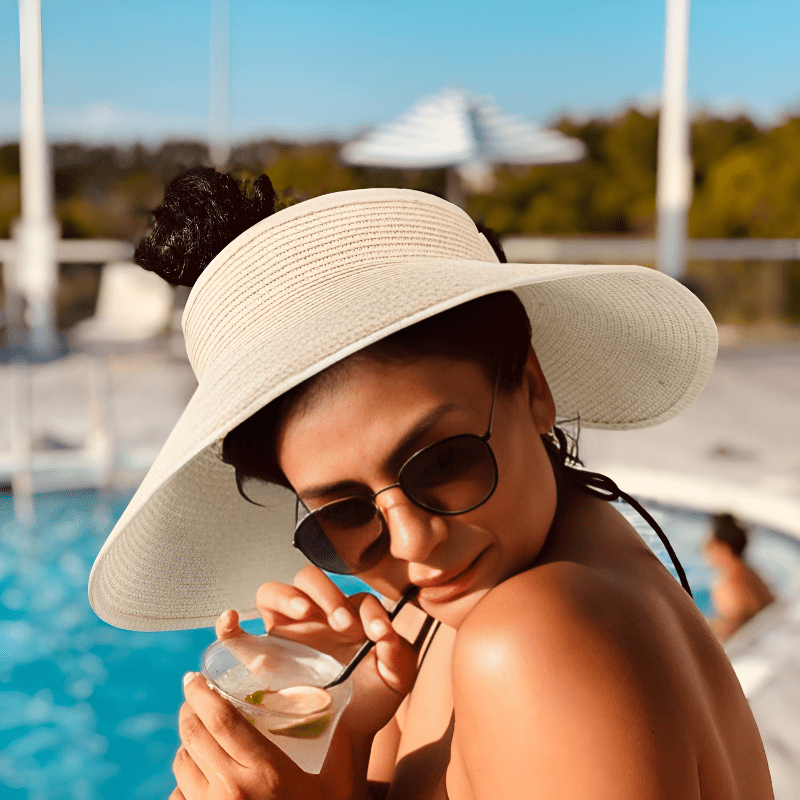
x=550 y=678
x=561 y=623
x=547 y=601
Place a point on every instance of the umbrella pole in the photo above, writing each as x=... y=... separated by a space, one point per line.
x=454 y=190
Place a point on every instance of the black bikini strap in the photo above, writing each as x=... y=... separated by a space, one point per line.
x=423 y=633
x=603 y=487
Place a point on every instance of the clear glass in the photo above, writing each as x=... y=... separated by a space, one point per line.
x=241 y=667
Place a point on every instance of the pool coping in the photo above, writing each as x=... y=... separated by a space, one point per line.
x=752 y=504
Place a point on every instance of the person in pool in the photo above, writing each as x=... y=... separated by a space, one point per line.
x=371 y=353
x=740 y=592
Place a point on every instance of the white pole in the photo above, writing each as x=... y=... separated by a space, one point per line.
x=22 y=469
x=35 y=267
x=674 y=182
x=219 y=83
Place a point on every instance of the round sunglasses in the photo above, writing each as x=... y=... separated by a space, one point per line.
x=452 y=476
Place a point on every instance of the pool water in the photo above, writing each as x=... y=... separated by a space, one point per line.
x=88 y=711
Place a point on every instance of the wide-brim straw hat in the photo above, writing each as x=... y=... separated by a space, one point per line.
x=620 y=346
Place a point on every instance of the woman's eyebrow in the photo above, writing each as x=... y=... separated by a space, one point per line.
x=409 y=444
x=406 y=447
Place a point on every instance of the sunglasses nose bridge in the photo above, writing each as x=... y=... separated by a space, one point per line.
x=385 y=489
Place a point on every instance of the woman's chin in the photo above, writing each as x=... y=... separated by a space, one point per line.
x=453 y=610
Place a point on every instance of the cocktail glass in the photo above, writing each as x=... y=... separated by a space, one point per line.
x=257 y=674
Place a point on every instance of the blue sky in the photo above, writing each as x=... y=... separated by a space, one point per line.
x=122 y=70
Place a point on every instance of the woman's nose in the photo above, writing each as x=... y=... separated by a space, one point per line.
x=413 y=532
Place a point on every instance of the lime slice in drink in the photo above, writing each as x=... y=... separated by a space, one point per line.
x=299 y=700
x=307 y=729
x=256 y=698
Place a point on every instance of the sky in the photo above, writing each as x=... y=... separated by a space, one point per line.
x=138 y=70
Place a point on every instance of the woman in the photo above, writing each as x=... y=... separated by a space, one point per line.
x=366 y=363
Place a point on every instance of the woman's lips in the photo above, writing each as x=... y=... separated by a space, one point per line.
x=437 y=591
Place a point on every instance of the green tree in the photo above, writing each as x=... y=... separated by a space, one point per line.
x=753 y=189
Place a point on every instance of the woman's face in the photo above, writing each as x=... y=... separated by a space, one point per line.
x=348 y=434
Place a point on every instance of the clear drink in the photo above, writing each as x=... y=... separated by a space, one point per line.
x=269 y=680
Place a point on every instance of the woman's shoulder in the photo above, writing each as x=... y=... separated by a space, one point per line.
x=547 y=596
x=560 y=619
x=557 y=675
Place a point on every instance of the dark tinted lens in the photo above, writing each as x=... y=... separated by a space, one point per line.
x=312 y=542
x=454 y=475
x=348 y=531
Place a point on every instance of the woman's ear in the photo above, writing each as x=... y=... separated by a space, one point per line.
x=540 y=399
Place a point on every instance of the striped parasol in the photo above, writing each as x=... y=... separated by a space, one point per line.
x=456 y=128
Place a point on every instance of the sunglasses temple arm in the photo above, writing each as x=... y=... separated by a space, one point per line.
x=491 y=413
x=410 y=594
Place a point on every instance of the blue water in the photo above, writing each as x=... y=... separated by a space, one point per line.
x=88 y=711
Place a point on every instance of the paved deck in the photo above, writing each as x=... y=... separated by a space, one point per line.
x=736 y=448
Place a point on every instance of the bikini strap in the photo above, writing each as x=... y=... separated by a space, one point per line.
x=603 y=487
x=423 y=633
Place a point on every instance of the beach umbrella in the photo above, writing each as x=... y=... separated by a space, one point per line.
x=465 y=132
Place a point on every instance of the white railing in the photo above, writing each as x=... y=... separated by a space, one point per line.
x=567 y=250
x=93 y=463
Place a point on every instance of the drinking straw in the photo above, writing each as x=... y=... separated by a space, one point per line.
x=368 y=645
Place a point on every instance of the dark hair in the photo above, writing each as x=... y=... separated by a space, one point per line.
x=204 y=210
x=728 y=530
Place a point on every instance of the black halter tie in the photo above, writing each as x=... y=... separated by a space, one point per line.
x=603 y=487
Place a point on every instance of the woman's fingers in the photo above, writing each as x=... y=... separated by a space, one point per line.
x=328 y=596
x=219 y=738
x=314 y=612
x=224 y=755
x=201 y=745
x=395 y=657
x=191 y=780
x=228 y=625
x=280 y=604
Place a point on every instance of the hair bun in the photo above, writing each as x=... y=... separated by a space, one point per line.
x=203 y=210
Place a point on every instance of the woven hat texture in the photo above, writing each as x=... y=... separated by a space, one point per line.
x=621 y=347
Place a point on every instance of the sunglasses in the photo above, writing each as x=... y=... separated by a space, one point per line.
x=452 y=476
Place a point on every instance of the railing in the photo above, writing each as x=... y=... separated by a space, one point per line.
x=94 y=462
x=740 y=280
x=545 y=250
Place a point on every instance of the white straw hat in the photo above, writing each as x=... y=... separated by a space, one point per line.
x=621 y=346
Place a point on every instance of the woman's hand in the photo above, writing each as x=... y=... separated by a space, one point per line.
x=223 y=757
x=314 y=611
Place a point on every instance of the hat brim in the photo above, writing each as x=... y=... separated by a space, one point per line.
x=621 y=347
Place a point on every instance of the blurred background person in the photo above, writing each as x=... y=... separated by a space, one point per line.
x=740 y=592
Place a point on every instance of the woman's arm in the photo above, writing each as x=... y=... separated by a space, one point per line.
x=559 y=694
x=415 y=626
x=382 y=759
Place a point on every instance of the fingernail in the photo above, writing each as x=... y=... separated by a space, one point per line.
x=299 y=606
x=187 y=678
x=387 y=674
x=378 y=628
x=341 y=619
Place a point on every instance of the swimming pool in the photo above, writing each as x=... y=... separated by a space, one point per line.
x=88 y=711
